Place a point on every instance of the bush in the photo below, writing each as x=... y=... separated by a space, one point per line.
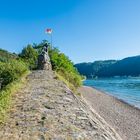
x=61 y=64
x=11 y=71
x=12 y=74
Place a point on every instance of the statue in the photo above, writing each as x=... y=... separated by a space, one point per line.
x=44 y=59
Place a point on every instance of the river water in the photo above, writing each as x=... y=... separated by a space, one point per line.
x=126 y=89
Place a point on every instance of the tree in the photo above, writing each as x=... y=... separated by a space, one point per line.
x=38 y=47
x=29 y=55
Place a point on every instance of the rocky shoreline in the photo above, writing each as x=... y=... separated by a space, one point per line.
x=46 y=109
x=124 y=118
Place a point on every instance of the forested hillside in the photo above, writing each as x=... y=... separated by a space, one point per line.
x=126 y=67
x=90 y=70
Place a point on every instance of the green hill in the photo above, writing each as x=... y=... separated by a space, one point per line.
x=91 y=70
x=126 y=67
x=5 y=55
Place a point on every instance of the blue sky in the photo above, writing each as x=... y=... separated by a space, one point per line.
x=85 y=30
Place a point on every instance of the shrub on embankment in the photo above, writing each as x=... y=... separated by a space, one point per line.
x=63 y=66
x=12 y=71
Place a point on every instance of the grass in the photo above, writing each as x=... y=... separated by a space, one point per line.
x=69 y=85
x=61 y=78
x=7 y=93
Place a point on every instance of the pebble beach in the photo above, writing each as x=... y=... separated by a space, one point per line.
x=124 y=118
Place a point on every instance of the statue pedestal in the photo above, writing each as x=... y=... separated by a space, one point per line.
x=47 y=66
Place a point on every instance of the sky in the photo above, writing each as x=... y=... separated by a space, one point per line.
x=85 y=30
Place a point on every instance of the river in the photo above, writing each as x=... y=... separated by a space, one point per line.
x=126 y=89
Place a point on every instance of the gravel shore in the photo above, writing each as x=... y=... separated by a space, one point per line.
x=125 y=119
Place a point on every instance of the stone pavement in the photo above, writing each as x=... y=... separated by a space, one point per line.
x=45 y=109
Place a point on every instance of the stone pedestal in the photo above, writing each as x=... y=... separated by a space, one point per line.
x=44 y=64
x=47 y=66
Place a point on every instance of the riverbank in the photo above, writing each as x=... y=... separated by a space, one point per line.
x=125 y=119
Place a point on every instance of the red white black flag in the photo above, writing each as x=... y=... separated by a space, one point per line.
x=48 y=31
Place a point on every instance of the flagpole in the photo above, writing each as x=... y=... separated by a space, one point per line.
x=49 y=32
x=51 y=41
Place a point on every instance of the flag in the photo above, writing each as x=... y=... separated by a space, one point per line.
x=48 y=31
